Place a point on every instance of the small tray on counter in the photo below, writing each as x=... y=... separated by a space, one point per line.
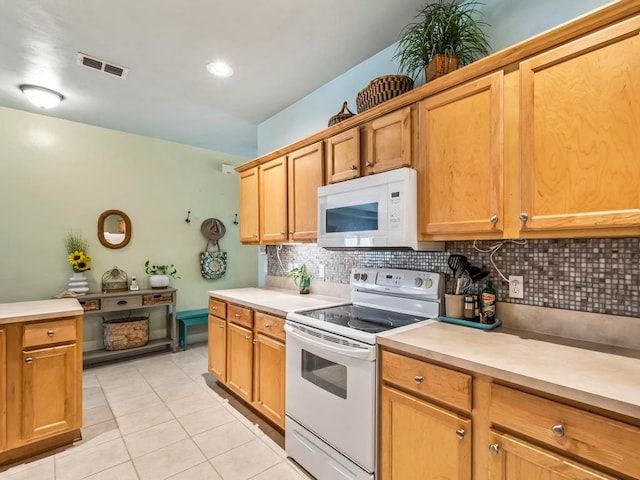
x=467 y=323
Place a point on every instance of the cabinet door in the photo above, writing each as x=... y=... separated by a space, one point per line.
x=419 y=441
x=239 y=360
x=269 y=378
x=3 y=389
x=343 y=156
x=305 y=172
x=580 y=108
x=249 y=207
x=388 y=144
x=273 y=201
x=50 y=391
x=460 y=161
x=217 y=346
x=513 y=459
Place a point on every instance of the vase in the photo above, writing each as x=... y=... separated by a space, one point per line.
x=78 y=283
x=303 y=285
x=159 y=281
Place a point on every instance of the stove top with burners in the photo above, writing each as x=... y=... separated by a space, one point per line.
x=382 y=299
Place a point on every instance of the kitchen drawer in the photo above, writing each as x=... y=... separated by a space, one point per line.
x=47 y=333
x=585 y=434
x=444 y=385
x=269 y=325
x=122 y=303
x=240 y=315
x=157 y=298
x=217 y=308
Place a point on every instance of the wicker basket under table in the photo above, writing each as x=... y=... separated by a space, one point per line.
x=123 y=333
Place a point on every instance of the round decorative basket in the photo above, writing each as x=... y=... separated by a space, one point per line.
x=341 y=115
x=115 y=280
x=381 y=89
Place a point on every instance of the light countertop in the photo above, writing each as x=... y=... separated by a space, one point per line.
x=39 y=310
x=593 y=374
x=276 y=301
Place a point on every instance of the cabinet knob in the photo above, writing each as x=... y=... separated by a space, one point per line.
x=51 y=333
x=237 y=315
x=283 y=233
x=353 y=167
x=214 y=308
x=460 y=433
x=493 y=219
x=524 y=217
x=369 y=164
x=255 y=235
x=418 y=379
x=247 y=337
x=220 y=326
x=28 y=360
x=267 y=325
x=255 y=341
x=558 y=430
x=290 y=233
x=494 y=448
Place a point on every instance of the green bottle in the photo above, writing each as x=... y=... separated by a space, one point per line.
x=489 y=303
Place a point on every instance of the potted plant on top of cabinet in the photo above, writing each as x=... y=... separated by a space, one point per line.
x=445 y=35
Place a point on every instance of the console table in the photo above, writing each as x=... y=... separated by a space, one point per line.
x=100 y=303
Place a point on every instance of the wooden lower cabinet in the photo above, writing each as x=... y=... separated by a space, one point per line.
x=3 y=390
x=217 y=348
x=420 y=441
x=515 y=459
x=268 y=377
x=240 y=360
x=247 y=354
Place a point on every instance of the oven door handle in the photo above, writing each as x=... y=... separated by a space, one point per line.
x=365 y=353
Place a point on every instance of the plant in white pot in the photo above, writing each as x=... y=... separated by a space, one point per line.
x=159 y=274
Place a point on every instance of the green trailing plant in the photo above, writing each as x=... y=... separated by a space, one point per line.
x=301 y=278
x=169 y=270
x=444 y=27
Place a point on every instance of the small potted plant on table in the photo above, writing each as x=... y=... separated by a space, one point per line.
x=301 y=278
x=159 y=274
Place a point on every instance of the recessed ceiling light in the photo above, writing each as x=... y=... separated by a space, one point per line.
x=40 y=96
x=220 y=69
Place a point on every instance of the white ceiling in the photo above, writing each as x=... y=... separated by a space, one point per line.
x=281 y=50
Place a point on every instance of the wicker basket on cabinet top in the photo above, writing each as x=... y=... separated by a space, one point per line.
x=381 y=89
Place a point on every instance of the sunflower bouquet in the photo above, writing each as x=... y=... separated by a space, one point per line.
x=76 y=248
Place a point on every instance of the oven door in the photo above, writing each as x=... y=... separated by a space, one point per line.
x=331 y=390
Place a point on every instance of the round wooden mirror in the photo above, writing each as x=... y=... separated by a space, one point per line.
x=114 y=229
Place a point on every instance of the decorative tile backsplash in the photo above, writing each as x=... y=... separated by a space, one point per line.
x=600 y=275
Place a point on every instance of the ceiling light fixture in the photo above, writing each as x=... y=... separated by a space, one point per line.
x=41 y=97
x=220 y=69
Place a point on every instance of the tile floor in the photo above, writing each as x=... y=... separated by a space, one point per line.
x=163 y=417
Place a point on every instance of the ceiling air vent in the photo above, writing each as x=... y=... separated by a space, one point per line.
x=102 y=65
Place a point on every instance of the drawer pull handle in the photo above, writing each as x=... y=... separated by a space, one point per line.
x=238 y=315
x=558 y=430
x=418 y=379
x=220 y=326
x=460 y=433
x=494 y=448
x=122 y=302
x=267 y=325
x=51 y=333
x=247 y=337
x=28 y=360
x=214 y=308
x=157 y=295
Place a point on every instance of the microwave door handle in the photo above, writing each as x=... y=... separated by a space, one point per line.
x=363 y=353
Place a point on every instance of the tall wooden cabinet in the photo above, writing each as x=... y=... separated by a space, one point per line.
x=580 y=108
x=460 y=162
x=3 y=389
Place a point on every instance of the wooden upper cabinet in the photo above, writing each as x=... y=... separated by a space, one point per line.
x=249 y=211
x=460 y=161
x=305 y=175
x=343 y=156
x=273 y=201
x=580 y=148
x=388 y=142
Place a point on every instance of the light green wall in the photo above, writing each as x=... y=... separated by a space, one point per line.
x=57 y=176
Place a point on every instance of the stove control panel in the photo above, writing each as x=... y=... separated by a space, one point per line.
x=397 y=281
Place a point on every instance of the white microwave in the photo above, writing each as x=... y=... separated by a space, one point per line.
x=373 y=212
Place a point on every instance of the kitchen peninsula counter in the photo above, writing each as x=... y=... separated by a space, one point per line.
x=275 y=300
x=593 y=374
x=38 y=310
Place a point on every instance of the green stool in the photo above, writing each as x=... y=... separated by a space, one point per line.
x=186 y=319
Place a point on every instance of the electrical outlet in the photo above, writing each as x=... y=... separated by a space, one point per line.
x=516 y=286
x=289 y=266
x=321 y=270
